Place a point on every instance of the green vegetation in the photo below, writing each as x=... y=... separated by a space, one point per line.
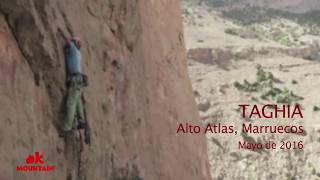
x=221 y=3
x=248 y=16
x=316 y=108
x=264 y=86
x=283 y=27
x=251 y=15
x=217 y=3
x=282 y=39
x=294 y=82
x=283 y=31
x=231 y=32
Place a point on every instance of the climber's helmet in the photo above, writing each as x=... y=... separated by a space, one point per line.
x=77 y=42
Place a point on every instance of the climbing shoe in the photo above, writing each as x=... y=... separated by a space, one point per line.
x=81 y=125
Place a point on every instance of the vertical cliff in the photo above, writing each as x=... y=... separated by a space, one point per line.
x=133 y=53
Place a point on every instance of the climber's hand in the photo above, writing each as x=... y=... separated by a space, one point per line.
x=63 y=35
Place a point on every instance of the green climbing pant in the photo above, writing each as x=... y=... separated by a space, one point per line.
x=74 y=106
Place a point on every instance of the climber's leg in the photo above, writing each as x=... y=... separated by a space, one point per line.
x=80 y=109
x=80 y=112
x=71 y=105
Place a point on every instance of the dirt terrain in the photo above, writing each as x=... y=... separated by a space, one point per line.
x=220 y=58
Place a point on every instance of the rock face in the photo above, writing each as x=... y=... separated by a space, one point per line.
x=139 y=90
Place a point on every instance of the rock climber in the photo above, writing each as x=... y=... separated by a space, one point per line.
x=75 y=83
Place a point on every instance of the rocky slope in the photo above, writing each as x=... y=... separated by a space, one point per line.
x=220 y=55
x=139 y=90
x=297 y=6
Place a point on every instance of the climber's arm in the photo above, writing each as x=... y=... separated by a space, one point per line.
x=67 y=40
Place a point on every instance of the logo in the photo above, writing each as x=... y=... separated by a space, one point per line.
x=35 y=163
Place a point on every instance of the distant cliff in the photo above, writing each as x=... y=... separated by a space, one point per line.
x=139 y=90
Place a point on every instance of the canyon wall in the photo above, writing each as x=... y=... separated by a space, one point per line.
x=139 y=91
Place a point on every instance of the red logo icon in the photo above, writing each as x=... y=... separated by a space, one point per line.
x=35 y=159
x=35 y=163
